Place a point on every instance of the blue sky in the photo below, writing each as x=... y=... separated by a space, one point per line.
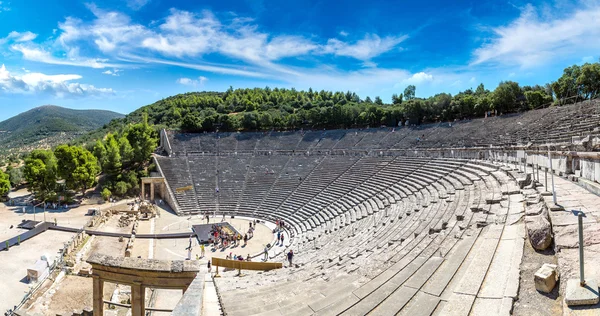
x=120 y=55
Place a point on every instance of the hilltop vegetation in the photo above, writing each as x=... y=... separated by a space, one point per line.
x=264 y=109
x=47 y=126
x=121 y=149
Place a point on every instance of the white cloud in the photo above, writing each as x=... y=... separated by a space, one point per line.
x=418 y=78
x=36 y=54
x=365 y=49
x=57 y=85
x=136 y=4
x=216 y=68
x=533 y=40
x=343 y=33
x=18 y=37
x=115 y=72
x=192 y=82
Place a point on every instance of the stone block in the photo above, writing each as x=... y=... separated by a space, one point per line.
x=576 y=294
x=545 y=278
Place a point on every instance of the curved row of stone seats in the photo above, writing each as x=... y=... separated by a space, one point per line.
x=415 y=242
x=418 y=296
x=231 y=179
x=554 y=124
x=178 y=177
x=428 y=193
x=260 y=176
x=203 y=170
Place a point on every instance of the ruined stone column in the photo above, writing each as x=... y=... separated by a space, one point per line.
x=98 y=296
x=138 y=299
x=143 y=190
x=151 y=191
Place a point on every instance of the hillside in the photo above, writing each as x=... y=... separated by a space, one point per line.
x=47 y=125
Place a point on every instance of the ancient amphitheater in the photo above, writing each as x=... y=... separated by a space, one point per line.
x=442 y=219
x=415 y=221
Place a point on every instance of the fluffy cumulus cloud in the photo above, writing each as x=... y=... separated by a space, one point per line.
x=58 y=85
x=534 y=39
x=192 y=82
x=418 y=78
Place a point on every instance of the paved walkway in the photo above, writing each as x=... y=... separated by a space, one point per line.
x=574 y=198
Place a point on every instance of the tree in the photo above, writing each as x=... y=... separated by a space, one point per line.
x=566 y=88
x=125 y=150
x=378 y=100
x=106 y=194
x=100 y=152
x=507 y=97
x=15 y=176
x=589 y=80
x=397 y=99
x=536 y=99
x=40 y=172
x=121 y=188
x=142 y=139
x=112 y=165
x=409 y=92
x=4 y=184
x=77 y=166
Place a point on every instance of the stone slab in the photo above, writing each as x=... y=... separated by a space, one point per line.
x=422 y=304
x=576 y=295
x=458 y=305
x=438 y=282
x=339 y=306
x=424 y=273
x=478 y=268
x=394 y=303
x=496 y=279
x=487 y=306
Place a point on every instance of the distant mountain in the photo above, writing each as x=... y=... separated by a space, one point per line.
x=48 y=125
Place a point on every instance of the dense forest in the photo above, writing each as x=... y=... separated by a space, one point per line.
x=266 y=108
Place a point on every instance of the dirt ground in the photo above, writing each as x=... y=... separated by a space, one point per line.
x=531 y=302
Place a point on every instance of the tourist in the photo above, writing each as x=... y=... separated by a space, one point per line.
x=248 y=258
x=208 y=265
x=278 y=236
x=245 y=239
x=290 y=256
x=282 y=240
x=266 y=257
x=202 y=250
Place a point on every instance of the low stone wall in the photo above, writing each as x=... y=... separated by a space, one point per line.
x=191 y=302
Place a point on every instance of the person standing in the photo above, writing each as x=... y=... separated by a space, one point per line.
x=266 y=257
x=202 y=250
x=290 y=257
x=282 y=237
